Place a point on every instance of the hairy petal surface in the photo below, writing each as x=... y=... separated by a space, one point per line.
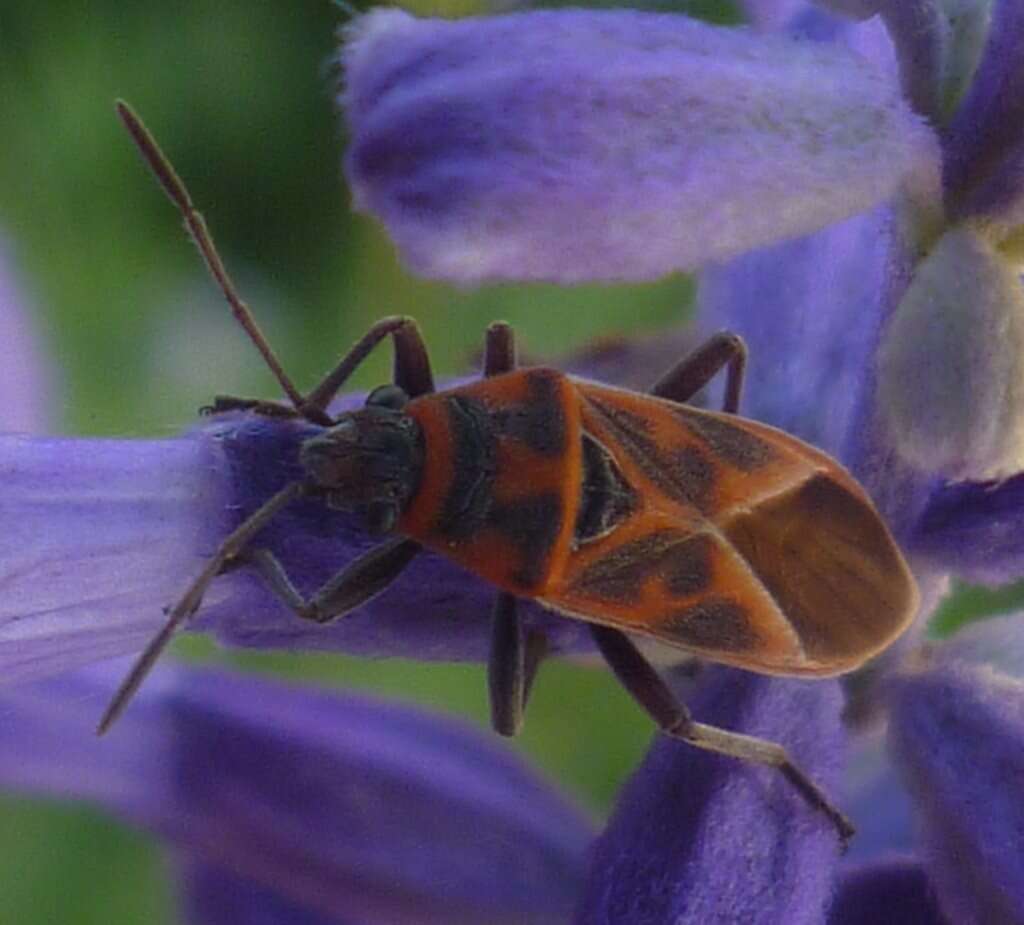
x=214 y=896
x=920 y=36
x=951 y=364
x=973 y=529
x=699 y=838
x=337 y=805
x=958 y=732
x=770 y=15
x=809 y=312
x=612 y=145
x=98 y=536
x=878 y=803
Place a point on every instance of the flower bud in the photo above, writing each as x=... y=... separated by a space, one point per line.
x=951 y=363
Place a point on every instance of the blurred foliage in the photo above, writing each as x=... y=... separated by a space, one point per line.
x=241 y=97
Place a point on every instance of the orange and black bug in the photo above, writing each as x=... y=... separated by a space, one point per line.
x=636 y=513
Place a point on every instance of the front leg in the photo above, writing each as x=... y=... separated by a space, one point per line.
x=360 y=581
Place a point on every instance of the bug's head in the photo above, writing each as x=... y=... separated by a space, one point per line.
x=371 y=460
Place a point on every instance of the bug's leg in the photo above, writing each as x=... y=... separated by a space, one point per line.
x=506 y=666
x=499 y=349
x=229 y=550
x=357 y=583
x=692 y=373
x=652 y=693
x=515 y=655
x=412 y=371
x=514 y=659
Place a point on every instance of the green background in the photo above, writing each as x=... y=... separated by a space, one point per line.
x=240 y=95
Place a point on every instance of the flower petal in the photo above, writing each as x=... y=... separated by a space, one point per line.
x=215 y=896
x=984 y=164
x=919 y=31
x=997 y=642
x=771 y=15
x=98 y=536
x=339 y=804
x=582 y=145
x=809 y=311
x=899 y=890
x=973 y=529
x=700 y=838
x=878 y=803
x=958 y=733
x=951 y=363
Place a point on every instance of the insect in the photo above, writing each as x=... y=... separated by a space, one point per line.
x=638 y=514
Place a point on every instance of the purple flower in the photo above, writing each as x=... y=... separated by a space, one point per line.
x=319 y=806
x=701 y=838
x=577 y=146
x=958 y=734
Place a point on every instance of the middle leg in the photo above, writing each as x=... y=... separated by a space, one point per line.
x=515 y=654
x=693 y=372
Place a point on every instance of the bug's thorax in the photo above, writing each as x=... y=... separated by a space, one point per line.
x=501 y=476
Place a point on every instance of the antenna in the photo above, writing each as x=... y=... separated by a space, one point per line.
x=195 y=225
x=189 y=602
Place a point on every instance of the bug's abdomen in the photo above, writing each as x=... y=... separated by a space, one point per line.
x=501 y=479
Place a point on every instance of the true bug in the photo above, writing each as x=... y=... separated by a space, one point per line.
x=636 y=513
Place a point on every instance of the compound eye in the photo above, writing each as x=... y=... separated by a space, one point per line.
x=387 y=396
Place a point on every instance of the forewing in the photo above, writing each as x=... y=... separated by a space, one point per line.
x=689 y=589
x=748 y=546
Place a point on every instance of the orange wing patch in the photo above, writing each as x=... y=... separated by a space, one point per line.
x=690 y=589
x=748 y=546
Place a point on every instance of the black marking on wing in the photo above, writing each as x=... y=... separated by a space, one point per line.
x=715 y=623
x=729 y=442
x=682 y=560
x=683 y=473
